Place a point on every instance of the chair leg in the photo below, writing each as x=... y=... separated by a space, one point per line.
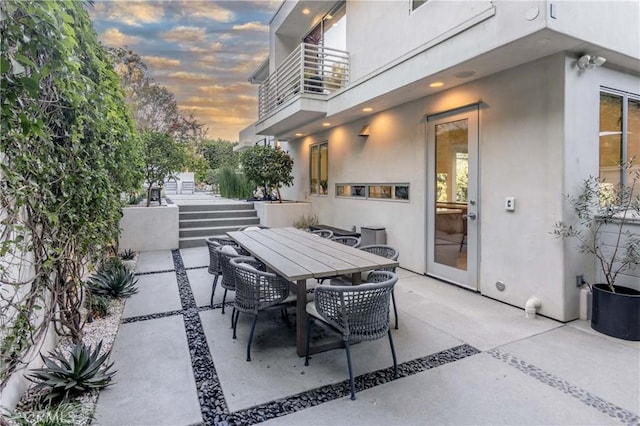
x=235 y=322
x=309 y=327
x=253 y=327
x=213 y=289
x=233 y=312
x=395 y=310
x=224 y=299
x=353 y=385
x=393 y=353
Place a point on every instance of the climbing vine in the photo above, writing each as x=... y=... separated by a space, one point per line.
x=68 y=150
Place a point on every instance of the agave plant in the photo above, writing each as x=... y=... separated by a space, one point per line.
x=83 y=371
x=116 y=283
x=128 y=255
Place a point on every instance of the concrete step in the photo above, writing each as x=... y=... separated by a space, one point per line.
x=207 y=231
x=215 y=207
x=194 y=241
x=217 y=214
x=213 y=223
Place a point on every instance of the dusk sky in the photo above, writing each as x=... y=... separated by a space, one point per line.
x=202 y=51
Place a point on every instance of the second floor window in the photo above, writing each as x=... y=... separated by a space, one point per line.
x=319 y=169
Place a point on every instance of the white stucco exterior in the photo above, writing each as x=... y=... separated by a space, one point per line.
x=538 y=125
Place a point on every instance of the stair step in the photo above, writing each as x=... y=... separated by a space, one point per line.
x=217 y=214
x=207 y=232
x=215 y=207
x=212 y=223
x=195 y=241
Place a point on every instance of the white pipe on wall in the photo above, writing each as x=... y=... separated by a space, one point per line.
x=531 y=307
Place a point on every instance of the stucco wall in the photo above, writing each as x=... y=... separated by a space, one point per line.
x=279 y=215
x=149 y=228
x=521 y=151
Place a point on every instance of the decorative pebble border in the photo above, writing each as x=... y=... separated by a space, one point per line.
x=605 y=407
x=212 y=402
x=155 y=272
x=214 y=408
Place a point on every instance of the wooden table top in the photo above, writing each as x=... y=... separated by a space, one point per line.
x=298 y=255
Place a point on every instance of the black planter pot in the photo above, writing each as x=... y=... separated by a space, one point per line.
x=616 y=314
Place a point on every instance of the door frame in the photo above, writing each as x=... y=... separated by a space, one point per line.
x=465 y=278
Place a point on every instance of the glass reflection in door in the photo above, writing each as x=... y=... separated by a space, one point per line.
x=452 y=178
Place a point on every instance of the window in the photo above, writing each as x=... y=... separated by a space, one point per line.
x=619 y=136
x=319 y=169
x=417 y=3
x=374 y=191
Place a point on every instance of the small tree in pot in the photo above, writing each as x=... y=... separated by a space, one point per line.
x=269 y=166
x=601 y=207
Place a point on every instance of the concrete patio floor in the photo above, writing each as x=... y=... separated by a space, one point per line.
x=464 y=359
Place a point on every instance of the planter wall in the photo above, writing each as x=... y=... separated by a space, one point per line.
x=279 y=215
x=149 y=228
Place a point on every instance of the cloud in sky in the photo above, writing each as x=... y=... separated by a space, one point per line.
x=203 y=51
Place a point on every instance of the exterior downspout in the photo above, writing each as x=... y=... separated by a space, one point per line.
x=532 y=305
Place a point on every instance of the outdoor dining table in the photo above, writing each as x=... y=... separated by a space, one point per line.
x=298 y=255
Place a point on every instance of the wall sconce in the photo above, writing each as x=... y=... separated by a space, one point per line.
x=590 y=61
x=364 y=132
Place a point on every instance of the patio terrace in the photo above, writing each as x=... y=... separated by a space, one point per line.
x=464 y=359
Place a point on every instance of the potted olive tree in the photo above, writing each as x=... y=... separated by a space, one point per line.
x=606 y=217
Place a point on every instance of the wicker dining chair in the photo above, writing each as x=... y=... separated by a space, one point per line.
x=358 y=312
x=256 y=291
x=228 y=282
x=324 y=233
x=214 y=265
x=348 y=240
x=390 y=253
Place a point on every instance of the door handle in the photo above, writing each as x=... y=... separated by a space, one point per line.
x=471 y=215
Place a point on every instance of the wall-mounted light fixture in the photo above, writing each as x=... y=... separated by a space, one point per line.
x=364 y=132
x=590 y=61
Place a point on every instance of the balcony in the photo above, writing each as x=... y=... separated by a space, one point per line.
x=311 y=70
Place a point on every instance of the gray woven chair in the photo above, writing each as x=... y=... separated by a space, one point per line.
x=359 y=313
x=324 y=233
x=390 y=253
x=256 y=291
x=348 y=241
x=214 y=265
x=252 y=227
x=228 y=281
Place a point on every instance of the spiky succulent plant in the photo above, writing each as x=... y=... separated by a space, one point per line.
x=116 y=283
x=83 y=370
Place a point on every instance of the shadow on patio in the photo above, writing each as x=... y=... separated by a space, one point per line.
x=463 y=359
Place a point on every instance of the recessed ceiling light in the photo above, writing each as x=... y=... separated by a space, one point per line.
x=298 y=134
x=436 y=84
x=306 y=11
x=326 y=124
x=465 y=74
x=328 y=17
x=367 y=109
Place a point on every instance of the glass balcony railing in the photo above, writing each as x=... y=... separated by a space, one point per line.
x=309 y=69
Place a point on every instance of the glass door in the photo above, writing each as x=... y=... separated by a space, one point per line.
x=452 y=207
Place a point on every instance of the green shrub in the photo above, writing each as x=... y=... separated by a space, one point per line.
x=98 y=305
x=63 y=414
x=115 y=283
x=110 y=263
x=84 y=370
x=233 y=184
x=305 y=222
